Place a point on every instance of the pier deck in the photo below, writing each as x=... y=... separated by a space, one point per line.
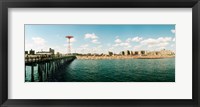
x=37 y=60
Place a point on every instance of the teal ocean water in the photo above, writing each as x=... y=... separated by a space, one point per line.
x=110 y=70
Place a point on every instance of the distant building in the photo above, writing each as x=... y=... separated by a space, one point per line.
x=131 y=53
x=127 y=52
x=89 y=54
x=143 y=52
x=122 y=53
x=166 y=52
x=110 y=53
x=161 y=52
x=26 y=52
x=51 y=51
x=137 y=53
x=32 y=52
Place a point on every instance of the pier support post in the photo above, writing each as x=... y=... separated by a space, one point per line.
x=32 y=73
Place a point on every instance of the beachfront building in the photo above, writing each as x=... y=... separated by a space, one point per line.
x=122 y=53
x=137 y=53
x=143 y=52
x=110 y=53
x=26 y=52
x=166 y=52
x=161 y=52
x=131 y=53
x=127 y=52
x=152 y=53
x=32 y=52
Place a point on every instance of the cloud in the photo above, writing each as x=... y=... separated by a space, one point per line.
x=137 y=47
x=137 y=39
x=72 y=40
x=99 y=46
x=129 y=40
x=172 y=45
x=159 y=42
x=118 y=41
x=84 y=46
x=38 y=41
x=111 y=48
x=126 y=45
x=90 y=36
x=95 y=41
x=174 y=39
x=173 y=31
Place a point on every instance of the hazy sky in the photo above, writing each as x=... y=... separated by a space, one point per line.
x=100 y=38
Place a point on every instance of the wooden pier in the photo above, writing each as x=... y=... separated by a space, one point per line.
x=46 y=66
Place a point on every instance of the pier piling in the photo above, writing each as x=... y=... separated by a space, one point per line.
x=45 y=66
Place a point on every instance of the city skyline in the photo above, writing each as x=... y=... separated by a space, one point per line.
x=100 y=38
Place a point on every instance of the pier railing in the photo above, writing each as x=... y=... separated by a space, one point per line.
x=37 y=59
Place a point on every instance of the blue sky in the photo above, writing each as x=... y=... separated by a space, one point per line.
x=100 y=38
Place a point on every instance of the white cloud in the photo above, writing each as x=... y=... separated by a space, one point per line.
x=84 y=46
x=118 y=41
x=137 y=47
x=72 y=40
x=129 y=40
x=111 y=48
x=38 y=41
x=163 y=44
x=173 y=31
x=159 y=42
x=164 y=39
x=116 y=45
x=125 y=45
x=173 y=45
x=137 y=39
x=99 y=46
x=90 y=36
x=174 y=39
x=129 y=46
x=95 y=41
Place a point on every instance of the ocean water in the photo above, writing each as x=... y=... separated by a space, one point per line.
x=110 y=70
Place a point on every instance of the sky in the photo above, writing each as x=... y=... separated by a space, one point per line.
x=99 y=38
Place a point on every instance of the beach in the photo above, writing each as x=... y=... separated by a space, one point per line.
x=125 y=57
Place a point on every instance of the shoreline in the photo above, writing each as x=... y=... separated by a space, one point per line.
x=122 y=57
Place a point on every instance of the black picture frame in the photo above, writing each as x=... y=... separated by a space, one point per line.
x=5 y=4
